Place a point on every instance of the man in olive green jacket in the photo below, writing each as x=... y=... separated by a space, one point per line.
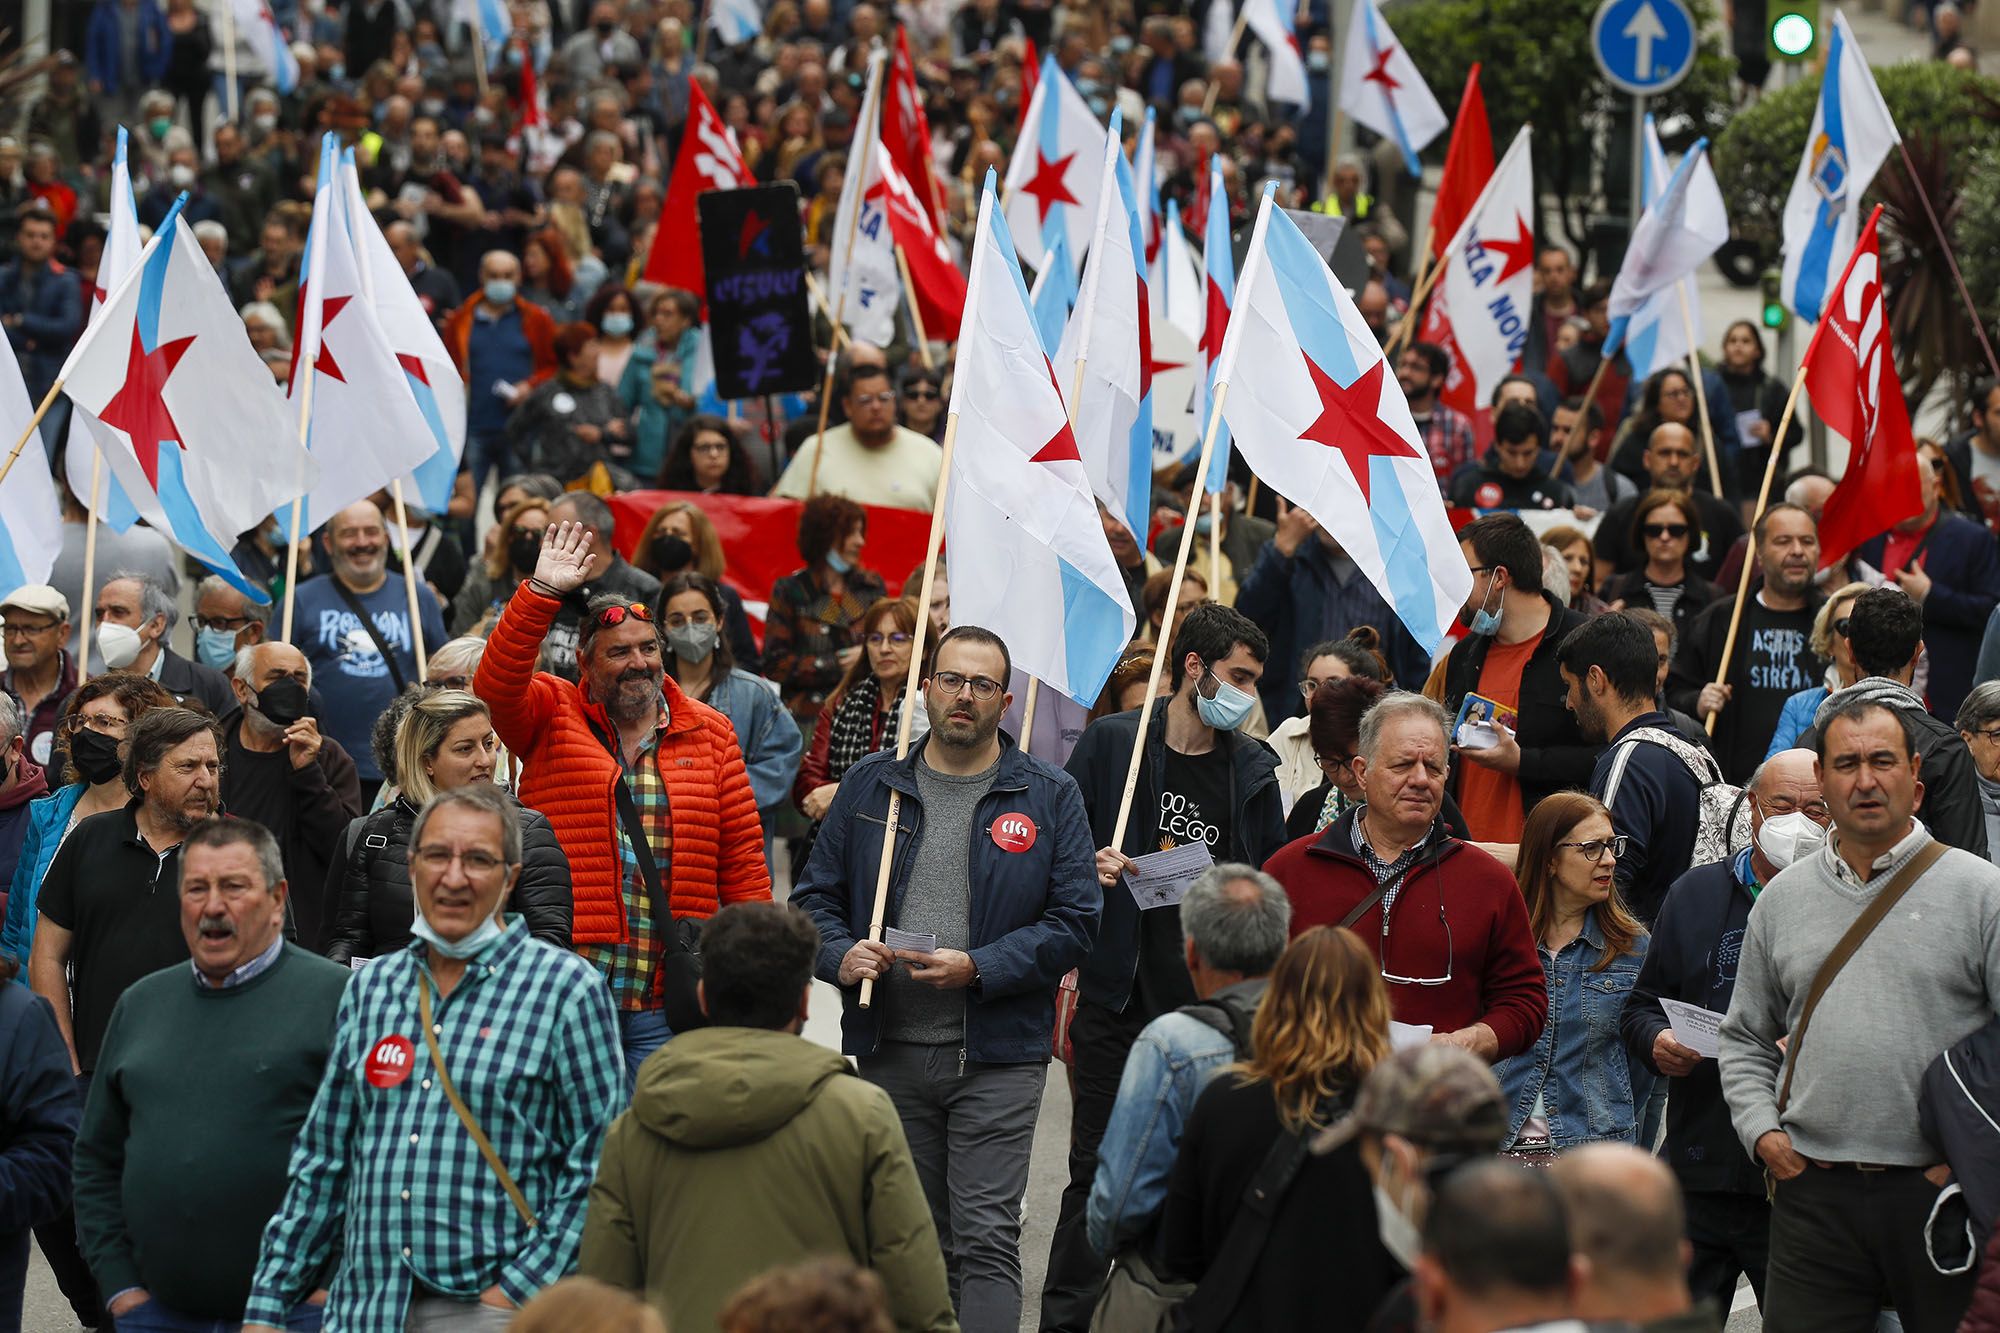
x=747 y=1147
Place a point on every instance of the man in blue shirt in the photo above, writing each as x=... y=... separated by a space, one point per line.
x=41 y=307
x=1237 y=920
x=360 y=666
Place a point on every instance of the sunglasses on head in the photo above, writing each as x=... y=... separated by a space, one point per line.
x=615 y=615
x=1675 y=530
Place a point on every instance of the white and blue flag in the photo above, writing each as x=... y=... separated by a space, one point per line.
x=1684 y=223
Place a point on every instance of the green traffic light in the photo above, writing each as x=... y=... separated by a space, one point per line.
x=1792 y=35
x=1774 y=315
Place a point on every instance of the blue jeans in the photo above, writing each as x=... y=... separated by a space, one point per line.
x=642 y=1031
x=485 y=452
x=153 y=1317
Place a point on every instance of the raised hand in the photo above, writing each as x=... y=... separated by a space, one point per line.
x=565 y=560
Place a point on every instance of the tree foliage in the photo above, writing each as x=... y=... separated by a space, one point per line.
x=1536 y=68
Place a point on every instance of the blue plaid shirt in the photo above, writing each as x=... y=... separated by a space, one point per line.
x=391 y=1175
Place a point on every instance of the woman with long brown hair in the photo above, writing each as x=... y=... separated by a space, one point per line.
x=861 y=715
x=1576 y=1084
x=1322 y=1025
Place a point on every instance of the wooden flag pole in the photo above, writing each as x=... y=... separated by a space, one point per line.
x=909 y=702
x=34 y=423
x=479 y=58
x=1778 y=451
x=1423 y=263
x=88 y=611
x=916 y=315
x=229 y=93
x=298 y=509
x=1166 y=626
x=1215 y=544
x=1700 y=392
x=1407 y=326
x=1235 y=38
x=826 y=390
x=1028 y=712
x=819 y=296
x=410 y=578
x=704 y=17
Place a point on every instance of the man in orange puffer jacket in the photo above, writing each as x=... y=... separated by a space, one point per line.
x=680 y=758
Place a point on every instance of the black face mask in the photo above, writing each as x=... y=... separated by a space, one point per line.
x=672 y=554
x=524 y=550
x=95 y=756
x=604 y=29
x=284 y=702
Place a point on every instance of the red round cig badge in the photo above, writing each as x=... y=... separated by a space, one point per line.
x=391 y=1061
x=1014 y=833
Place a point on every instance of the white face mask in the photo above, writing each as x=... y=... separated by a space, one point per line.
x=118 y=645
x=1789 y=838
x=1399 y=1234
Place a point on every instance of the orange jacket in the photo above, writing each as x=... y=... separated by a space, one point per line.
x=718 y=851
x=538 y=324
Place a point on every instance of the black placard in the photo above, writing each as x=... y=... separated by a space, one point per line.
x=759 y=325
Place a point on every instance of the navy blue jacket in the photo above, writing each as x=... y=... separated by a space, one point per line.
x=1034 y=913
x=1098 y=764
x=49 y=324
x=1657 y=804
x=1298 y=602
x=39 y=1111
x=1697 y=939
x=1963 y=561
x=100 y=46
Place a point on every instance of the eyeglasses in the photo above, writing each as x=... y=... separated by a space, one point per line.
x=883 y=640
x=437 y=860
x=874 y=399
x=21 y=629
x=1678 y=391
x=1328 y=762
x=1593 y=851
x=922 y=395
x=1383 y=952
x=709 y=446
x=1840 y=625
x=615 y=615
x=448 y=683
x=984 y=688
x=98 y=722
x=1310 y=686
x=229 y=623
x=1655 y=531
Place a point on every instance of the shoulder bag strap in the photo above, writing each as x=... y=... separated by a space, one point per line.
x=1360 y=909
x=485 y=1144
x=361 y=614
x=1864 y=926
x=635 y=830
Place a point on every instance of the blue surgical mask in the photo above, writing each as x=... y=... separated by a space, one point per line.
x=482 y=935
x=839 y=563
x=1226 y=708
x=1484 y=621
x=215 y=648
x=1202 y=523
x=618 y=324
x=499 y=292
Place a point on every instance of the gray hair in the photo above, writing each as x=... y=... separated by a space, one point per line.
x=222 y=831
x=590 y=511
x=154 y=599
x=245 y=666
x=458 y=657
x=1233 y=931
x=11 y=724
x=215 y=584
x=1555 y=574
x=1395 y=704
x=1981 y=708
x=484 y=797
x=208 y=229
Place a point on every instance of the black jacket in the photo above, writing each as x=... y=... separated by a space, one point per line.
x=373 y=907
x=1098 y=764
x=1554 y=754
x=1697 y=594
x=1963 y=560
x=1720 y=527
x=191 y=680
x=1697 y=938
x=39 y=1112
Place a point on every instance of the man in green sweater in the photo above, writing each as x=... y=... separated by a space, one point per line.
x=202 y=1083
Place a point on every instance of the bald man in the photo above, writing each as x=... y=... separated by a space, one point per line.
x=279 y=771
x=1625 y=1218
x=1696 y=939
x=354 y=628
x=1673 y=462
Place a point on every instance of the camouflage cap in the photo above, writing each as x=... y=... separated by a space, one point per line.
x=1438 y=1097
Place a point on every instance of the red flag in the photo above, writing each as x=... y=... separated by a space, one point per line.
x=906 y=130
x=1852 y=382
x=937 y=287
x=1031 y=73
x=1468 y=163
x=708 y=160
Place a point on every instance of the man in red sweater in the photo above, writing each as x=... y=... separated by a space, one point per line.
x=1446 y=920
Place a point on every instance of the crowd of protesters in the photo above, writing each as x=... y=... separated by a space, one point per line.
x=368 y=988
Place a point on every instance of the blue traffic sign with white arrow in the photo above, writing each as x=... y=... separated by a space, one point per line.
x=1643 y=46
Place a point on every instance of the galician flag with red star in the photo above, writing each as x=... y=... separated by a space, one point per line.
x=361 y=421
x=183 y=407
x=1018 y=502
x=1318 y=415
x=1381 y=88
x=1489 y=272
x=1057 y=168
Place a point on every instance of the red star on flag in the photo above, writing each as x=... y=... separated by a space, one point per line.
x=1062 y=445
x=1047 y=186
x=415 y=366
x=325 y=363
x=1380 y=73
x=139 y=410
x=1519 y=252
x=1350 y=420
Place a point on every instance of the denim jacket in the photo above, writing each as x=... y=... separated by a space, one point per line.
x=1591 y=1089
x=1170 y=1063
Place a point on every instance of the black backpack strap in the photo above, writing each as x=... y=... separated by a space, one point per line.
x=1231 y=1020
x=381 y=645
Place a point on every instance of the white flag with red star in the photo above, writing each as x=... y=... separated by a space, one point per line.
x=1057 y=169
x=1490 y=272
x=1382 y=89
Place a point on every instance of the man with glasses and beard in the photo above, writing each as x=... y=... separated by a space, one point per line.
x=698 y=842
x=870 y=460
x=958 y=1031
x=109 y=913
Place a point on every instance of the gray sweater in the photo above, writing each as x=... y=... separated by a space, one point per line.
x=1928 y=975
